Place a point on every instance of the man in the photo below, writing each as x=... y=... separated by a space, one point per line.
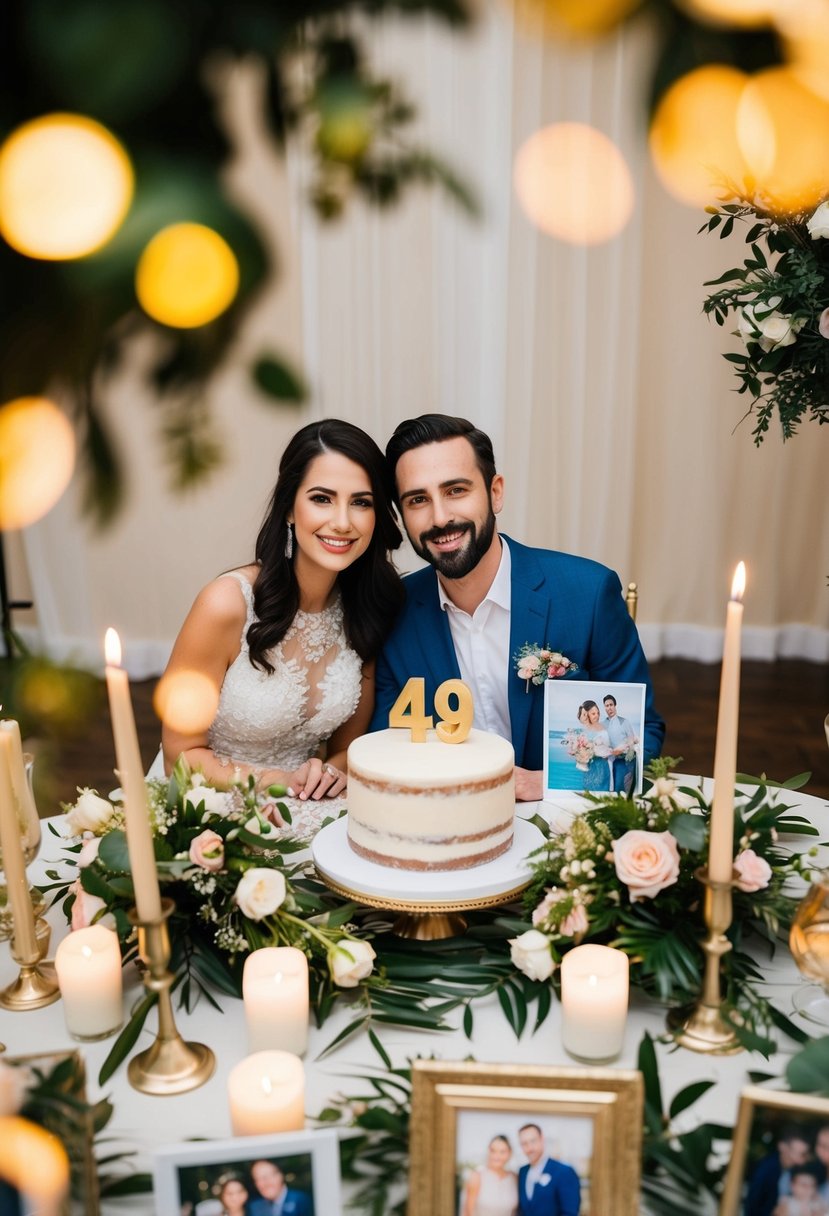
x=545 y=1187
x=622 y=740
x=277 y=1198
x=485 y=595
x=771 y=1180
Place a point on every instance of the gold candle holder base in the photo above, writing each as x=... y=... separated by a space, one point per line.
x=702 y=1026
x=37 y=983
x=169 y=1066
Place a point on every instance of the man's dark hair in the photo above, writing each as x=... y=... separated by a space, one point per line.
x=530 y=1127
x=435 y=428
x=609 y=697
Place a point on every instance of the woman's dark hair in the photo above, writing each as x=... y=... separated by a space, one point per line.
x=500 y=1136
x=371 y=589
x=435 y=428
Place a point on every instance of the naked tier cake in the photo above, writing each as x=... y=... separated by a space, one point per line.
x=432 y=805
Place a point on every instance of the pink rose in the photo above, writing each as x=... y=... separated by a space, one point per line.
x=552 y=672
x=575 y=923
x=754 y=871
x=823 y=323
x=85 y=908
x=646 y=862
x=208 y=850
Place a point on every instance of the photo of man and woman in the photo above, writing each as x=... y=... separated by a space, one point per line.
x=593 y=734
x=787 y=1173
x=516 y=1164
x=260 y=1187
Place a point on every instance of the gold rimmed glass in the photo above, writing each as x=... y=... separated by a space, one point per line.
x=809 y=944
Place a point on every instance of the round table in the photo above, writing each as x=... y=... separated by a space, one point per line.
x=142 y=1123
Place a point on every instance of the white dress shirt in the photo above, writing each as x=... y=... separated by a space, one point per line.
x=481 y=644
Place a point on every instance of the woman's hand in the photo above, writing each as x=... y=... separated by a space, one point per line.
x=315 y=779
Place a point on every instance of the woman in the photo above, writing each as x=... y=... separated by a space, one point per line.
x=233 y=1195
x=493 y=1189
x=290 y=639
x=599 y=775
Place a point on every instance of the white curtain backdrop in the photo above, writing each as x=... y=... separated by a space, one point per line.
x=594 y=371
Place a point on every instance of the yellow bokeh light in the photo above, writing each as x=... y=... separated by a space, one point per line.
x=574 y=183
x=65 y=186
x=576 y=18
x=750 y=14
x=34 y=1161
x=693 y=136
x=37 y=456
x=187 y=275
x=186 y=701
x=783 y=130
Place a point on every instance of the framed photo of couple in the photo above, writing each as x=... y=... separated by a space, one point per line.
x=593 y=737
x=536 y=1141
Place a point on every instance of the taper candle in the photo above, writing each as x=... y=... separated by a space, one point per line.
x=88 y=964
x=721 y=846
x=25 y=804
x=275 y=992
x=267 y=1094
x=131 y=776
x=14 y=864
x=594 y=1001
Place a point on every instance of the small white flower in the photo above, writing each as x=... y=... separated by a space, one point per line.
x=91 y=813
x=531 y=954
x=818 y=223
x=761 y=323
x=260 y=892
x=216 y=802
x=350 y=961
x=575 y=866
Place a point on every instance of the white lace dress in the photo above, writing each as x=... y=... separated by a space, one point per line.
x=279 y=720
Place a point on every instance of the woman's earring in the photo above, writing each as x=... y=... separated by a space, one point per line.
x=289 y=543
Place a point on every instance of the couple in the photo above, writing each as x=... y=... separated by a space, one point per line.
x=793 y=1179
x=612 y=741
x=542 y=1187
x=311 y=642
x=233 y=1195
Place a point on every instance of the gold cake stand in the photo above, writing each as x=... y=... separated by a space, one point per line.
x=424 y=912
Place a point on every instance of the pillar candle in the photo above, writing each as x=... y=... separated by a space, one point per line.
x=131 y=776
x=267 y=1094
x=721 y=846
x=14 y=865
x=275 y=991
x=88 y=963
x=594 y=1001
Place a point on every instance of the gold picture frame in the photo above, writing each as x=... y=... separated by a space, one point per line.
x=592 y=1116
x=762 y=1114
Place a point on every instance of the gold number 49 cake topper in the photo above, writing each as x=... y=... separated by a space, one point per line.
x=409 y=710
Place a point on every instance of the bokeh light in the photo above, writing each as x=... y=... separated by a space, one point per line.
x=33 y=1160
x=65 y=186
x=804 y=30
x=783 y=131
x=186 y=276
x=693 y=136
x=750 y=14
x=186 y=701
x=37 y=457
x=576 y=18
x=574 y=183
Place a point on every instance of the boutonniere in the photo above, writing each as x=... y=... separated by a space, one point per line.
x=545 y=1180
x=541 y=663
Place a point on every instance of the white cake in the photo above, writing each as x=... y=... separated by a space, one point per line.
x=432 y=805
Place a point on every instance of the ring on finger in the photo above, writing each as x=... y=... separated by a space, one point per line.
x=329 y=768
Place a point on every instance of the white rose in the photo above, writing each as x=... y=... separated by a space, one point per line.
x=216 y=802
x=260 y=892
x=91 y=813
x=350 y=961
x=818 y=225
x=531 y=954
x=771 y=329
x=89 y=851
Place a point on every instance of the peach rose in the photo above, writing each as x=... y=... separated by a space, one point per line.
x=86 y=907
x=208 y=850
x=754 y=871
x=646 y=862
x=575 y=923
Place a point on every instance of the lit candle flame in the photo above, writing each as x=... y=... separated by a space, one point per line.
x=266 y=1085
x=278 y=977
x=738 y=585
x=112 y=648
x=593 y=981
x=86 y=952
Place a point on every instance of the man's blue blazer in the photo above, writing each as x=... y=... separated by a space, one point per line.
x=561 y=1196
x=569 y=603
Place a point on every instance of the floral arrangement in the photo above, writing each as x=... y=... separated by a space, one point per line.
x=537 y=664
x=579 y=747
x=623 y=873
x=781 y=310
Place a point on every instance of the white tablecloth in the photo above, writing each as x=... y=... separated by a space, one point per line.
x=144 y=1122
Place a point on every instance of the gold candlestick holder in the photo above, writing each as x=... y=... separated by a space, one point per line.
x=37 y=983
x=169 y=1066
x=702 y=1026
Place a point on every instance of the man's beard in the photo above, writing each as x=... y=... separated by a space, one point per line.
x=459 y=562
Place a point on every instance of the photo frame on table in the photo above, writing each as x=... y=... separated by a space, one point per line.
x=470 y=1121
x=778 y=1133
x=580 y=737
x=53 y=1095
x=190 y=1178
